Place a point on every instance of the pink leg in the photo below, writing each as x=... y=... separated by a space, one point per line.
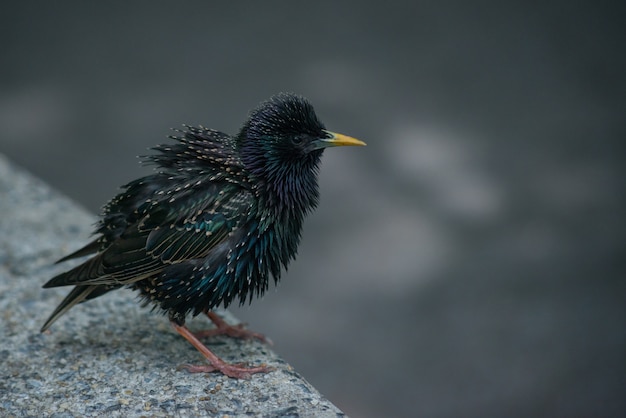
x=235 y=331
x=237 y=371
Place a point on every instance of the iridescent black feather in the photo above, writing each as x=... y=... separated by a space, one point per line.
x=219 y=217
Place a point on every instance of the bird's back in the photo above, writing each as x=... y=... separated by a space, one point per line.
x=164 y=223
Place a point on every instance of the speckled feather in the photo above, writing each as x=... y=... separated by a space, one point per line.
x=220 y=216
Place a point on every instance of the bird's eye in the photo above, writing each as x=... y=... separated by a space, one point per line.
x=297 y=140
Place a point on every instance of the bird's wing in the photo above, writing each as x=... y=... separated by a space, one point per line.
x=168 y=235
x=196 y=149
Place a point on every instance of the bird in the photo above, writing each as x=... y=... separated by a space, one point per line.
x=219 y=218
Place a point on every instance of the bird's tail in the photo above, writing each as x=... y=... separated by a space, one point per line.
x=82 y=275
x=77 y=295
x=90 y=248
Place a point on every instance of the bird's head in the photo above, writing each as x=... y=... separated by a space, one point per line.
x=283 y=140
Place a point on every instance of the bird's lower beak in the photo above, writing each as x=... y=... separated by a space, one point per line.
x=336 y=140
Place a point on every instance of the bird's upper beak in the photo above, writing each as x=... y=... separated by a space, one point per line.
x=336 y=140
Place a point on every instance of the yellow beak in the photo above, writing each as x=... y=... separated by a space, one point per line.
x=337 y=140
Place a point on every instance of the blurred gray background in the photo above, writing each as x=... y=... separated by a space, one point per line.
x=468 y=262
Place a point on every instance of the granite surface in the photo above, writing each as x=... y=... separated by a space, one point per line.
x=110 y=356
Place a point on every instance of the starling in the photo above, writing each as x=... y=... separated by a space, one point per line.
x=220 y=215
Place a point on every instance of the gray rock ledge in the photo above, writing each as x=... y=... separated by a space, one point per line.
x=110 y=356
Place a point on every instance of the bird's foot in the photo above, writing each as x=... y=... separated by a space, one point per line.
x=234 y=331
x=237 y=371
